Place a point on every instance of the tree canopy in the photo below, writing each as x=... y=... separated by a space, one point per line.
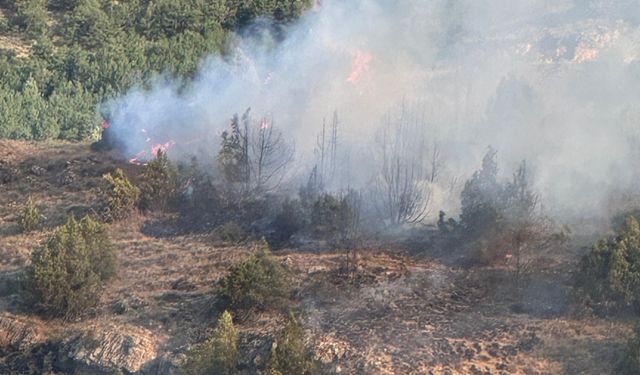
x=82 y=52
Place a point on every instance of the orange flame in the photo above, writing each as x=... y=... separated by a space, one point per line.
x=359 y=66
x=264 y=124
x=136 y=159
x=153 y=150
x=161 y=147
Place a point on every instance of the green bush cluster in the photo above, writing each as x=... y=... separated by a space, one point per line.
x=87 y=51
x=331 y=217
x=257 y=283
x=29 y=216
x=66 y=274
x=289 y=354
x=217 y=355
x=609 y=274
x=121 y=196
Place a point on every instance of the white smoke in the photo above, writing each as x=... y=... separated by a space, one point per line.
x=553 y=82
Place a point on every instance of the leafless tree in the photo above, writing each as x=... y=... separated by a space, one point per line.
x=436 y=162
x=269 y=156
x=326 y=152
x=254 y=155
x=406 y=168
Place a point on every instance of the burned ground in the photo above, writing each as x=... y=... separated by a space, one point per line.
x=375 y=311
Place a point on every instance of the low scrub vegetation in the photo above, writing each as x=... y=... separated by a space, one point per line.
x=257 y=283
x=66 y=274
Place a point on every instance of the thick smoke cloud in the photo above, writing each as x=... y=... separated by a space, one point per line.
x=553 y=82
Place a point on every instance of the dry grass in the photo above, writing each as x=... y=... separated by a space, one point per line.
x=390 y=314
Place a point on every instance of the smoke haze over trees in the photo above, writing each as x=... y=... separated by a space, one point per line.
x=550 y=82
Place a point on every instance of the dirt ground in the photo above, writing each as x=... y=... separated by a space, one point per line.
x=391 y=314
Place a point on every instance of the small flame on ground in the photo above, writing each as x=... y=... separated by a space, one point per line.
x=359 y=66
x=139 y=158
x=136 y=159
x=264 y=124
x=161 y=147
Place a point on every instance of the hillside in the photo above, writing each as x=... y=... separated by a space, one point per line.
x=399 y=315
x=307 y=187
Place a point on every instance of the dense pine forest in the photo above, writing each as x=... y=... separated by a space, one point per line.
x=60 y=58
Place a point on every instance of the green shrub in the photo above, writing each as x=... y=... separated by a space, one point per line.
x=609 y=275
x=121 y=195
x=259 y=283
x=29 y=217
x=66 y=274
x=289 y=354
x=217 y=355
x=159 y=183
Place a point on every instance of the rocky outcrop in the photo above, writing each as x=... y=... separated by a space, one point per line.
x=19 y=332
x=108 y=347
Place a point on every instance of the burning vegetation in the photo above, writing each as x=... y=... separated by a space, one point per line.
x=391 y=196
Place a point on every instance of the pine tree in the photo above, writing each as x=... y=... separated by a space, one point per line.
x=480 y=198
x=159 y=183
x=289 y=354
x=65 y=275
x=99 y=248
x=121 y=196
x=257 y=283
x=89 y=25
x=61 y=277
x=35 y=114
x=218 y=355
x=233 y=158
x=30 y=216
